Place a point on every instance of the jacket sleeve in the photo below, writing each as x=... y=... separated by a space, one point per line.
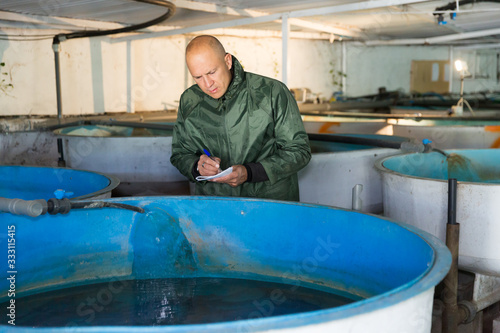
x=184 y=154
x=292 y=151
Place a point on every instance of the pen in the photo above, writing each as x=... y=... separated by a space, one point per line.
x=208 y=154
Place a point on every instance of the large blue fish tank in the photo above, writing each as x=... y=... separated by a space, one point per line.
x=385 y=270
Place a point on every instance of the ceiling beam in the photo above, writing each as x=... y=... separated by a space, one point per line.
x=214 y=8
x=356 y=6
x=324 y=28
x=226 y=10
x=364 y=5
x=210 y=26
x=254 y=33
x=478 y=46
x=435 y=40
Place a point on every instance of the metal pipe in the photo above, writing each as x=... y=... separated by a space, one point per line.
x=450 y=290
x=452 y=201
x=61 y=162
x=450 y=282
x=56 y=46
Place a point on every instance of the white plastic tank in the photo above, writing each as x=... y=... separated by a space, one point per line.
x=451 y=133
x=415 y=191
x=337 y=168
x=139 y=157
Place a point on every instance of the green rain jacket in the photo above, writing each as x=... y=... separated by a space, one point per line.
x=257 y=120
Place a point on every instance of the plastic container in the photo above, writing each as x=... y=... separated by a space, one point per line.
x=415 y=190
x=394 y=267
x=30 y=183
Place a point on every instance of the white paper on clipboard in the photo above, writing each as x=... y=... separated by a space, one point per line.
x=220 y=174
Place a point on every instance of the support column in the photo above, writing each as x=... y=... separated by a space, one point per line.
x=285 y=33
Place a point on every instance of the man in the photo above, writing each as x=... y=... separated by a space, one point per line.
x=242 y=120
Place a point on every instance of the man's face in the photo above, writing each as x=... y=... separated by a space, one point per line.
x=210 y=71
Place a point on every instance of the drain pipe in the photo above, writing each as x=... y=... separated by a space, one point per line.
x=61 y=162
x=462 y=312
x=57 y=47
x=450 y=290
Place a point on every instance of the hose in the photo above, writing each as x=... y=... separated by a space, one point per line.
x=54 y=206
x=102 y=204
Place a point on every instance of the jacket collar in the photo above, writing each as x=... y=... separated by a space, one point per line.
x=237 y=79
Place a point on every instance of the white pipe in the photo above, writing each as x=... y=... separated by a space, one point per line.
x=450 y=74
x=344 y=68
x=247 y=33
x=350 y=7
x=285 y=29
x=435 y=40
x=357 y=202
x=130 y=95
x=226 y=24
x=478 y=46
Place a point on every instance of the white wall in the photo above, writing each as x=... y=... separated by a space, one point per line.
x=385 y=66
x=99 y=75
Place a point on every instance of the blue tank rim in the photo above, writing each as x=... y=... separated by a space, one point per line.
x=428 y=279
x=113 y=180
x=379 y=165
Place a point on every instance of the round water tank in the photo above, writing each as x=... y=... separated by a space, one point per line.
x=391 y=268
x=415 y=190
x=30 y=183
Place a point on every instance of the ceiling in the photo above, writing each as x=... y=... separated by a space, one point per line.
x=374 y=22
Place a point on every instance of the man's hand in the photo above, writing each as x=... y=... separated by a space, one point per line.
x=208 y=166
x=235 y=178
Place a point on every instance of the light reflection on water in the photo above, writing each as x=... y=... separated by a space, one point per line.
x=173 y=301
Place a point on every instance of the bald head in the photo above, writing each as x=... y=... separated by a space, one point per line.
x=209 y=65
x=205 y=43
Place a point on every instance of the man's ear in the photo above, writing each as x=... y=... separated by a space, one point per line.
x=228 y=59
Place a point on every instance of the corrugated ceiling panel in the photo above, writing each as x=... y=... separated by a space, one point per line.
x=122 y=11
